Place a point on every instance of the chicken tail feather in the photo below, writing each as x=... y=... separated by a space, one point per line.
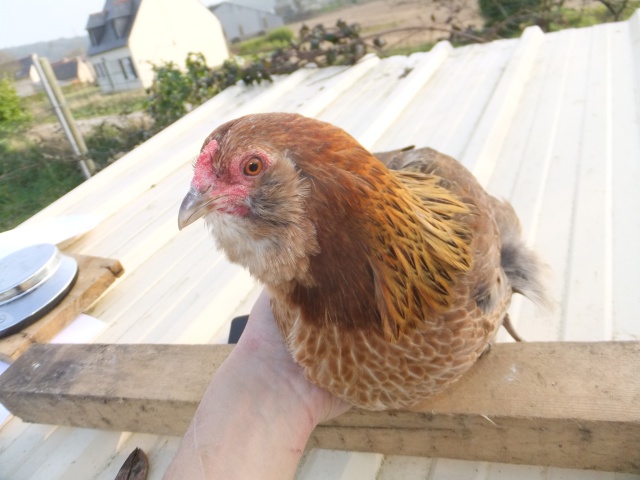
x=523 y=267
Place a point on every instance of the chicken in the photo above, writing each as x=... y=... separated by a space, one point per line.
x=386 y=283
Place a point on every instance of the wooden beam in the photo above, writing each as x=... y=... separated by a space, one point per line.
x=571 y=405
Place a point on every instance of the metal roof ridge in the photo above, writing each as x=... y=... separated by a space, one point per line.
x=405 y=92
x=481 y=152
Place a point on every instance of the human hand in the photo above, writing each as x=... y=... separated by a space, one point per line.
x=263 y=343
x=257 y=413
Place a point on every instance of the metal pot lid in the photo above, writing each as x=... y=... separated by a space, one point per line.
x=32 y=281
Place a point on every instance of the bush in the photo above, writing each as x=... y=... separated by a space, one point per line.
x=280 y=34
x=255 y=46
x=510 y=17
x=12 y=112
x=109 y=141
x=175 y=92
x=168 y=95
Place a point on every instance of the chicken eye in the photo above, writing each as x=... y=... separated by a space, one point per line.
x=253 y=167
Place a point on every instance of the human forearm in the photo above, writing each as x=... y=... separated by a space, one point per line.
x=257 y=413
x=244 y=427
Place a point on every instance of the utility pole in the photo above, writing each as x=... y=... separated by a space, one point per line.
x=62 y=111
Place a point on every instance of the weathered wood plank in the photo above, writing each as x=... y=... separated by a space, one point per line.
x=571 y=405
x=95 y=275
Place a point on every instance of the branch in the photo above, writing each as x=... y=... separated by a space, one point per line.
x=451 y=31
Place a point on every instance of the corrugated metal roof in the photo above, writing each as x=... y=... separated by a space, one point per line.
x=550 y=122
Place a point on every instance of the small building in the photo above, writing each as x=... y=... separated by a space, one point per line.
x=24 y=75
x=242 y=21
x=128 y=37
x=67 y=71
x=73 y=71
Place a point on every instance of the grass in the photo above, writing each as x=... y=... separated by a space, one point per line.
x=86 y=102
x=275 y=39
x=589 y=16
x=35 y=173
x=31 y=177
x=407 y=49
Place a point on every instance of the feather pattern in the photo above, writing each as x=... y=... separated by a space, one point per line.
x=387 y=279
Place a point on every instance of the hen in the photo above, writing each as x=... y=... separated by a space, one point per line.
x=387 y=283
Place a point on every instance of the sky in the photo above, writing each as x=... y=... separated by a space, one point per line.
x=30 y=21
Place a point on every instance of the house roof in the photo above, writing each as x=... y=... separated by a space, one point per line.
x=66 y=69
x=18 y=69
x=104 y=24
x=546 y=121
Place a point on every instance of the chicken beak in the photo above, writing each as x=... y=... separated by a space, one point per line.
x=194 y=205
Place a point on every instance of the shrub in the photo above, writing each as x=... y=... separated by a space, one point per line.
x=168 y=94
x=281 y=34
x=12 y=112
x=109 y=141
x=174 y=92
x=509 y=17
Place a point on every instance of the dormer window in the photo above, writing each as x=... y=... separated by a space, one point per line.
x=119 y=15
x=96 y=27
x=96 y=34
x=120 y=26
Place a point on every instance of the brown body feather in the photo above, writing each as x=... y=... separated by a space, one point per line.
x=387 y=284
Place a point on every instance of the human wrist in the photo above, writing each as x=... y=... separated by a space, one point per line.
x=279 y=392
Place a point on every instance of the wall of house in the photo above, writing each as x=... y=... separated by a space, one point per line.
x=166 y=30
x=266 y=5
x=240 y=22
x=114 y=72
x=86 y=73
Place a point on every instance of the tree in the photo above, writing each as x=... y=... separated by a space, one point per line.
x=615 y=7
x=11 y=111
x=508 y=17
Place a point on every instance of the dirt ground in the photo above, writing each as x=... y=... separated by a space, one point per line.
x=44 y=131
x=384 y=15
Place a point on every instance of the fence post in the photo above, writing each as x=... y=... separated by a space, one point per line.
x=62 y=111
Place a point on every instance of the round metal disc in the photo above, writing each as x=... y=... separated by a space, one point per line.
x=25 y=269
x=30 y=305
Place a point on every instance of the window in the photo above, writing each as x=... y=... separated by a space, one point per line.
x=120 y=26
x=96 y=34
x=128 y=70
x=98 y=68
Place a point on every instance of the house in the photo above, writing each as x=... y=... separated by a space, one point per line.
x=24 y=75
x=546 y=121
x=285 y=8
x=265 y=5
x=73 y=70
x=129 y=36
x=241 y=21
x=67 y=71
